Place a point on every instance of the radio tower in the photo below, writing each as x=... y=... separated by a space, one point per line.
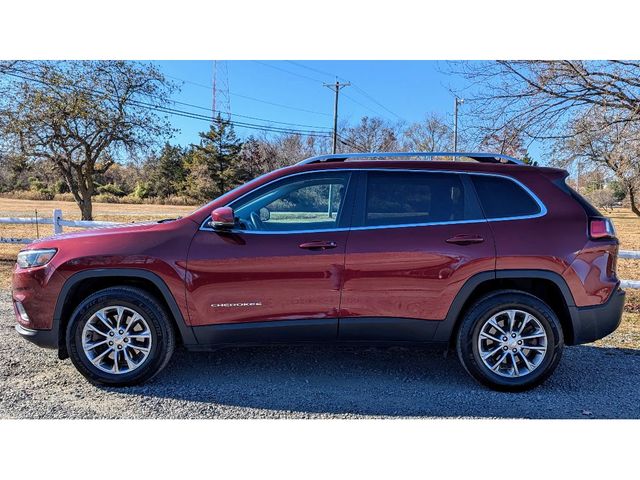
x=221 y=103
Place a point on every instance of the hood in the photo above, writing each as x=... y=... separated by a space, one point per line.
x=91 y=233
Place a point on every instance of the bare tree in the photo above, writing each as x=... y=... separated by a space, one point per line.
x=82 y=116
x=432 y=134
x=372 y=134
x=539 y=98
x=600 y=141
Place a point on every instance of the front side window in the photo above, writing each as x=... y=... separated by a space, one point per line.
x=404 y=198
x=303 y=202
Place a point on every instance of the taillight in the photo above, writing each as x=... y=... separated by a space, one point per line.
x=601 y=227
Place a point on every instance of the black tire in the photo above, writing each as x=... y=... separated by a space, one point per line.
x=160 y=326
x=483 y=310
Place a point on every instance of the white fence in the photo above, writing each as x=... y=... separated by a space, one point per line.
x=58 y=222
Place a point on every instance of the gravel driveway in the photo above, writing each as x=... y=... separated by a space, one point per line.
x=312 y=382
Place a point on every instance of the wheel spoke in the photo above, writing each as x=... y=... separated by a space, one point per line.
x=526 y=360
x=140 y=335
x=512 y=317
x=534 y=347
x=491 y=353
x=120 y=313
x=515 y=365
x=495 y=325
x=97 y=359
x=132 y=322
x=525 y=321
x=115 y=368
x=102 y=317
x=128 y=359
x=490 y=337
x=141 y=349
x=92 y=346
x=94 y=329
x=535 y=335
x=497 y=364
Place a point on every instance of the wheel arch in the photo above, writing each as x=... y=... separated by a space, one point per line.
x=81 y=284
x=549 y=286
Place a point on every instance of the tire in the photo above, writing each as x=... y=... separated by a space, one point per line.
x=146 y=343
x=521 y=368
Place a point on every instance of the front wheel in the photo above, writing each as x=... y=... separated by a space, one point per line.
x=120 y=336
x=510 y=341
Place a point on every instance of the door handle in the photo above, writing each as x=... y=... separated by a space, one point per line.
x=319 y=245
x=465 y=239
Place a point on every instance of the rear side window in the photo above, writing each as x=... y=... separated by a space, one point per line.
x=503 y=198
x=397 y=198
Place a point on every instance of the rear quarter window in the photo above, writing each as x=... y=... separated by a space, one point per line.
x=503 y=198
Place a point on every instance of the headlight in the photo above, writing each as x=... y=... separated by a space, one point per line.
x=35 y=258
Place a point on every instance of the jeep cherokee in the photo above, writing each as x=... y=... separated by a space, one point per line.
x=501 y=261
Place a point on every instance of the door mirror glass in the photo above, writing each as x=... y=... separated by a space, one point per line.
x=265 y=214
x=223 y=218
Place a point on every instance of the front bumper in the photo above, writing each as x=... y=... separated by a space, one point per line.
x=593 y=323
x=42 y=338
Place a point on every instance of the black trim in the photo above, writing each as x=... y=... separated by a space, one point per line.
x=185 y=331
x=387 y=329
x=277 y=331
x=594 y=323
x=447 y=326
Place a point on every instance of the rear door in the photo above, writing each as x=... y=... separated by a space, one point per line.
x=417 y=237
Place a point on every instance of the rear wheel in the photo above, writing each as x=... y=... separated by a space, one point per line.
x=120 y=336
x=510 y=341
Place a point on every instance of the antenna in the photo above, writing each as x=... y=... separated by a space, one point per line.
x=220 y=98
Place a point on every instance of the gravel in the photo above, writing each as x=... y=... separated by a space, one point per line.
x=312 y=382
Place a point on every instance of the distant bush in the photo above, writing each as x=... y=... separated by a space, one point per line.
x=111 y=189
x=29 y=195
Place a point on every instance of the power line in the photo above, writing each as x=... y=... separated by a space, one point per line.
x=177 y=112
x=359 y=89
x=314 y=80
x=281 y=105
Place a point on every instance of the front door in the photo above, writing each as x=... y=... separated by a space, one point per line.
x=416 y=238
x=282 y=266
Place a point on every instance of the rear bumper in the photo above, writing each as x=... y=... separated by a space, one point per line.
x=593 y=323
x=42 y=338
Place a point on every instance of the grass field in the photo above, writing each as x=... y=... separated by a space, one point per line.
x=626 y=223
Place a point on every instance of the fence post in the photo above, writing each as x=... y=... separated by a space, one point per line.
x=57 y=216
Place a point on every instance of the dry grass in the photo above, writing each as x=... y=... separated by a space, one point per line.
x=626 y=223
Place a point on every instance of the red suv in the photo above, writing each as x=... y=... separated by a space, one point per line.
x=499 y=260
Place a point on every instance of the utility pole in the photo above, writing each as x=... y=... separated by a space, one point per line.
x=336 y=88
x=458 y=101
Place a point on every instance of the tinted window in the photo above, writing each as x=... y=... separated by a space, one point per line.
x=395 y=198
x=501 y=197
x=304 y=202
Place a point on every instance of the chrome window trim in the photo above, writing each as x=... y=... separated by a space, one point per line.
x=543 y=209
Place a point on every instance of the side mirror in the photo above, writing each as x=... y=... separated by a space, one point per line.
x=223 y=218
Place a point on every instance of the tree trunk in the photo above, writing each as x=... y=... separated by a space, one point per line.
x=632 y=201
x=86 y=207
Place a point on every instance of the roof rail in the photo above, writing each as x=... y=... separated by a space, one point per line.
x=480 y=157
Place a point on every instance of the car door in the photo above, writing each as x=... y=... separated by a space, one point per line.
x=282 y=265
x=417 y=236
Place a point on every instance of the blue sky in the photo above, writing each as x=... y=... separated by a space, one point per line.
x=394 y=90
x=409 y=89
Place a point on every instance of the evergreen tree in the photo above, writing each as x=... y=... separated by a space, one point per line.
x=213 y=163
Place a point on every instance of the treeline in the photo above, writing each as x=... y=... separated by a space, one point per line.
x=220 y=161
